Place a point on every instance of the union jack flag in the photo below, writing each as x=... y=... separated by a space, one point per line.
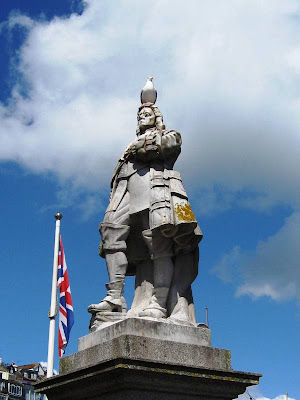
x=66 y=315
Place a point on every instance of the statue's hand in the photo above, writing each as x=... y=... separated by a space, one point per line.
x=133 y=149
x=151 y=146
x=147 y=149
x=139 y=144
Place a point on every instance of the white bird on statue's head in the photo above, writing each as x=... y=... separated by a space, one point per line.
x=148 y=93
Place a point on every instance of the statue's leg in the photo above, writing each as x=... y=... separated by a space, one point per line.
x=161 y=250
x=180 y=300
x=144 y=286
x=114 y=231
x=116 y=263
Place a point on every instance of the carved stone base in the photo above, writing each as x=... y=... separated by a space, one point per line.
x=147 y=329
x=101 y=319
x=150 y=360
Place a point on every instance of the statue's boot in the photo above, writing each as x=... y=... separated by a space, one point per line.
x=114 y=301
x=157 y=306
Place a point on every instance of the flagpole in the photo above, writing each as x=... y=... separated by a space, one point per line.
x=53 y=306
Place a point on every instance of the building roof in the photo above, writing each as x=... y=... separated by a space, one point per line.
x=28 y=366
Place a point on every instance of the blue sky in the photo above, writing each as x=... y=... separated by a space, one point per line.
x=227 y=75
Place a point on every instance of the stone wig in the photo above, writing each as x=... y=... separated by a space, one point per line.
x=158 y=117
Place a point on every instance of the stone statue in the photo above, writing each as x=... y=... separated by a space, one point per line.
x=149 y=229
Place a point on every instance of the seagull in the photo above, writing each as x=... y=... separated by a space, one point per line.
x=148 y=93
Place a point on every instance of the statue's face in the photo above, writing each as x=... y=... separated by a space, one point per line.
x=146 y=118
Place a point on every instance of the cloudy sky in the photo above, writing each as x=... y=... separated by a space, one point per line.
x=228 y=78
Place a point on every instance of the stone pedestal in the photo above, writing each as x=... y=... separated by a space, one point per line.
x=145 y=359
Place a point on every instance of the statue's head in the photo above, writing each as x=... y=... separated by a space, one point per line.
x=149 y=116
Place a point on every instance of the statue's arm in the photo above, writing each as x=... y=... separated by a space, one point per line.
x=159 y=145
x=171 y=144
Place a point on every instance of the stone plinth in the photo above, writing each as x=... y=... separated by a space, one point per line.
x=143 y=359
x=152 y=329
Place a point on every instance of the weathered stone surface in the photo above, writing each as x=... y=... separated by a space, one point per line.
x=148 y=329
x=148 y=340
x=147 y=359
x=147 y=349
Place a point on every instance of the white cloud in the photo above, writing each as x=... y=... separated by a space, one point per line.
x=272 y=269
x=44 y=364
x=229 y=88
x=253 y=393
x=280 y=397
x=228 y=264
x=228 y=78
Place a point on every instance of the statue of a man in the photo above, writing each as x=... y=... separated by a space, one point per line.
x=149 y=222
